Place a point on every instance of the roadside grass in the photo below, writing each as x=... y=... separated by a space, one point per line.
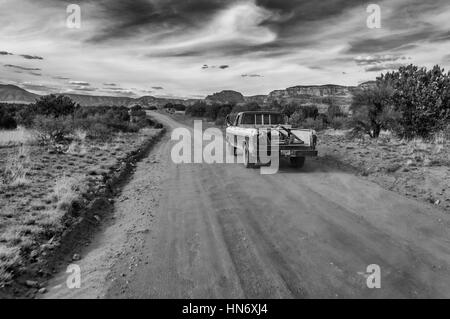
x=16 y=169
x=40 y=190
x=417 y=168
x=16 y=137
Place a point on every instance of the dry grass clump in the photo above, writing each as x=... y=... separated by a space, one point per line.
x=68 y=190
x=9 y=258
x=18 y=166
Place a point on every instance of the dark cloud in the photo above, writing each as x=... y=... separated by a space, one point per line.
x=251 y=76
x=21 y=67
x=35 y=73
x=391 y=42
x=112 y=89
x=5 y=53
x=441 y=37
x=31 y=57
x=109 y=84
x=79 y=83
x=127 y=18
x=60 y=78
x=157 y=88
x=222 y=67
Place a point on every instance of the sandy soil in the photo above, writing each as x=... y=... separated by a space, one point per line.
x=213 y=231
x=414 y=169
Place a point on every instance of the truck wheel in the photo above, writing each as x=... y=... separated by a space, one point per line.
x=297 y=162
x=247 y=163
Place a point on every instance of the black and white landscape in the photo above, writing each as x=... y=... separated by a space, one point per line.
x=95 y=95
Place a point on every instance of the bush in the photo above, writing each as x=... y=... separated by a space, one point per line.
x=338 y=123
x=197 y=109
x=314 y=124
x=7 y=120
x=54 y=105
x=52 y=130
x=99 y=131
x=422 y=98
x=220 y=121
x=333 y=112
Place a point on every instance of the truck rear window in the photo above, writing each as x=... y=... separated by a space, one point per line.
x=265 y=119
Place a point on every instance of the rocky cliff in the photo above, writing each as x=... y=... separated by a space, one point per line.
x=322 y=96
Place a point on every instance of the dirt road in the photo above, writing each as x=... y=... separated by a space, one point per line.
x=213 y=231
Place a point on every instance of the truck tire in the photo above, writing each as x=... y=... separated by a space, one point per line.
x=246 y=155
x=297 y=162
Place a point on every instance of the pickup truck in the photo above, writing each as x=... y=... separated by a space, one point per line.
x=247 y=129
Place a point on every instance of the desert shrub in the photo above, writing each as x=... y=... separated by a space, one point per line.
x=220 y=121
x=289 y=109
x=7 y=120
x=212 y=111
x=180 y=107
x=54 y=105
x=151 y=108
x=137 y=111
x=24 y=116
x=99 y=131
x=52 y=130
x=338 y=123
x=372 y=109
x=197 y=109
x=177 y=107
x=334 y=111
x=314 y=124
x=252 y=106
x=67 y=191
x=422 y=97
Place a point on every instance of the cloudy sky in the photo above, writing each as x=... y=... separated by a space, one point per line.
x=191 y=48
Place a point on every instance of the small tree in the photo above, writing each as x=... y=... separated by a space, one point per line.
x=370 y=107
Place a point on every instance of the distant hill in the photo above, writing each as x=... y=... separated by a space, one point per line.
x=226 y=96
x=320 y=95
x=14 y=94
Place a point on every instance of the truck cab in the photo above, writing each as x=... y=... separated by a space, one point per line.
x=249 y=128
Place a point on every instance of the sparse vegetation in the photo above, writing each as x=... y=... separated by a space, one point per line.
x=41 y=188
